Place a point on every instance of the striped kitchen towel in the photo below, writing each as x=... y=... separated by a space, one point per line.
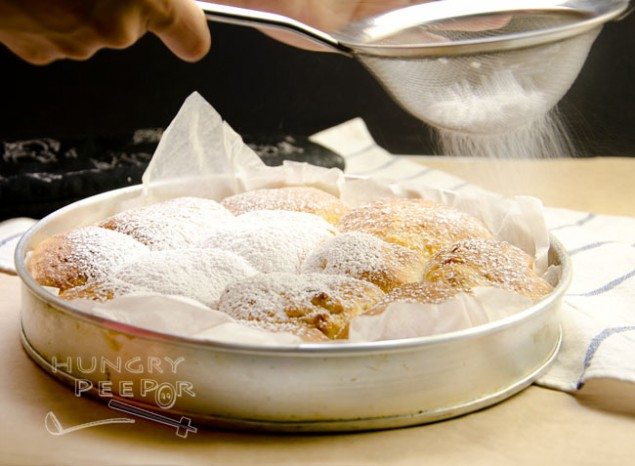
x=10 y=233
x=598 y=315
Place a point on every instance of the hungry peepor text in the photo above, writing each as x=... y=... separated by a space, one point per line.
x=163 y=393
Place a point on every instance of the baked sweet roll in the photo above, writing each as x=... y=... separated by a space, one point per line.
x=418 y=224
x=314 y=306
x=175 y=224
x=293 y=198
x=366 y=257
x=73 y=258
x=200 y=274
x=271 y=240
x=478 y=262
x=285 y=267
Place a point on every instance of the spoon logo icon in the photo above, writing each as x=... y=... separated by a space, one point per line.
x=54 y=426
x=183 y=425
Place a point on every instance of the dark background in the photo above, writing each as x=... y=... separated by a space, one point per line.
x=260 y=86
x=269 y=92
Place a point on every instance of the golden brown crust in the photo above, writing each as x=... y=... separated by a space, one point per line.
x=422 y=292
x=366 y=257
x=418 y=224
x=294 y=198
x=70 y=259
x=50 y=264
x=91 y=290
x=477 y=262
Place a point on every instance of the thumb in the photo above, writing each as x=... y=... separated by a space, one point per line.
x=181 y=26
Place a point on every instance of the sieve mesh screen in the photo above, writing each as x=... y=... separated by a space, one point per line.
x=479 y=28
x=484 y=93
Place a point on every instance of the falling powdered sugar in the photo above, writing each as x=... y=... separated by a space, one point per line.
x=497 y=103
x=499 y=117
x=544 y=137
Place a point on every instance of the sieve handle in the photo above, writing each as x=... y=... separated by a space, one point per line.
x=259 y=19
x=627 y=12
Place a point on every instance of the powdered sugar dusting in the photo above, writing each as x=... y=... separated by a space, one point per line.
x=314 y=279
x=366 y=257
x=498 y=104
x=175 y=224
x=200 y=274
x=320 y=301
x=271 y=240
x=89 y=253
x=421 y=292
x=477 y=262
x=293 y=198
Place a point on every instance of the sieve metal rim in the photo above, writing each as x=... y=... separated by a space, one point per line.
x=599 y=14
x=360 y=38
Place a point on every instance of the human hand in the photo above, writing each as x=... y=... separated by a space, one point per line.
x=42 y=31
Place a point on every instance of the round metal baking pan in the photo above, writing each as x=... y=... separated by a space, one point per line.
x=313 y=387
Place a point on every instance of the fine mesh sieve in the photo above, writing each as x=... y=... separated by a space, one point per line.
x=481 y=67
x=484 y=93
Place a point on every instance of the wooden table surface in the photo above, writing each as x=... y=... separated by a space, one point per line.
x=603 y=185
x=537 y=426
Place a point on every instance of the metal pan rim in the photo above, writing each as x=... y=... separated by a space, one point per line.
x=329 y=425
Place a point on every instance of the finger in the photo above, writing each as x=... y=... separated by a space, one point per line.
x=33 y=50
x=70 y=47
x=182 y=27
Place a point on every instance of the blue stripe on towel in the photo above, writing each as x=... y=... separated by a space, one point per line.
x=580 y=222
x=361 y=151
x=589 y=246
x=12 y=237
x=423 y=171
x=595 y=343
x=609 y=286
x=461 y=185
x=381 y=167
